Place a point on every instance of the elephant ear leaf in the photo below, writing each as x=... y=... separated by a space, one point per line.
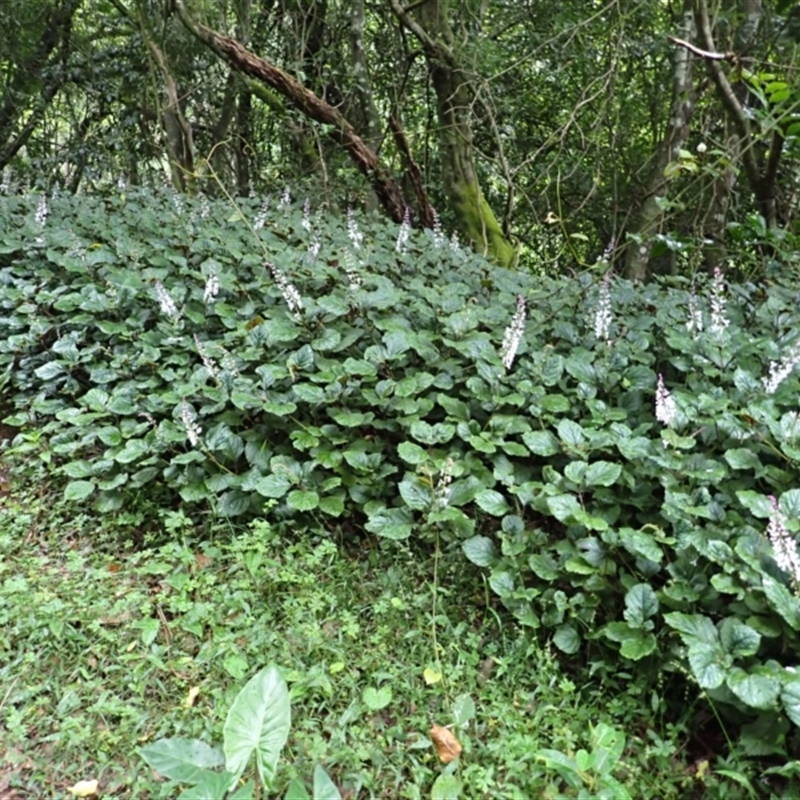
x=258 y=724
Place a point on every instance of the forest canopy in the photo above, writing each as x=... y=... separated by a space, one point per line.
x=664 y=133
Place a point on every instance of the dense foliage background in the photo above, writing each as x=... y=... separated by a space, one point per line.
x=611 y=469
x=227 y=294
x=664 y=131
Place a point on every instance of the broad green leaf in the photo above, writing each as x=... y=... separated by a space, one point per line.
x=641 y=544
x=757 y=504
x=464 y=491
x=463 y=710
x=210 y=784
x=454 y=407
x=576 y=471
x=555 y=403
x=309 y=393
x=354 y=366
x=602 y=473
x=412 y=453
x=563 y=506
x=541 y=443
x=580 y=365
x=302 y=499
x=739 y=458
x=640 y=604
x=544 y=565
x=78 y=469
x=49 y=371
x=246 y=792
x=332 y=505
x=643 y=644
x=133 y=450
x=738 y=639
x=221 y=439
x=351 y=419
x=790 y=503
x=551 y=369
x=758 y=689
x=273 y=486
x=492 y=502
x=480 y=550
x=446 y=787
x=567 y=639
x=620 y=632
x=417 y=495
x=571 y=434
x=182 y=760
x=634 y=448
x=258 y=724
x=376 y=699
x=439 y=433
x=579 y=566
x=693 y=628
x=782 y=601
x=110 y=436
x=280 y=409
x=79 y=490
x=96 y=399
x=391 y=523
x=301 y=360
x=790 y=699
x=608 y=745
x=324 y=787
x=297 y=791
x=709 y=665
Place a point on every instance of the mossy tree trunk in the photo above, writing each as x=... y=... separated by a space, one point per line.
x=430 y=23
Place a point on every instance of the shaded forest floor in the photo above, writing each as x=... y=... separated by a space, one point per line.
x=119 y=631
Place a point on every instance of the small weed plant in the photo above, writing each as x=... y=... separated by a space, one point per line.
x=257 y=727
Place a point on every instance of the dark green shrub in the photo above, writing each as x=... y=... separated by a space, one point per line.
x=382 y=401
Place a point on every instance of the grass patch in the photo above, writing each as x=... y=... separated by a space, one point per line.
x=107 y=636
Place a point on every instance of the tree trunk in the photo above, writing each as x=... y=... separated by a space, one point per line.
x=306 y=101
x=365 y=103
x=454 y=96
x=180 y=144
x=650 y=218
x=36 y=71
x=762 y=180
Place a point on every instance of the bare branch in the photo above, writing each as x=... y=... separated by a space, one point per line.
x=249 y=64
x=702 y=53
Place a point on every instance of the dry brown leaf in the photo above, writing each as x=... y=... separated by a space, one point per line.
x=192 y=696
x=448 y=748
x=201 y=560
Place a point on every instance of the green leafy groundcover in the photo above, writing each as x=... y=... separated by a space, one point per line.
x=340 y=373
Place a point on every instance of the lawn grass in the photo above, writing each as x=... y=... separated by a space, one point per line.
x=117 y=632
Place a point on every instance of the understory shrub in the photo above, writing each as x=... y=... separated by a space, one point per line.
x=611 y=454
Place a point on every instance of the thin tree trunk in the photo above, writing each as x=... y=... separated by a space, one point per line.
x=365 y=102
x=762 y=180
x=244 y=136
x=454 y=96
x=650 y=218
x=180 y=144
